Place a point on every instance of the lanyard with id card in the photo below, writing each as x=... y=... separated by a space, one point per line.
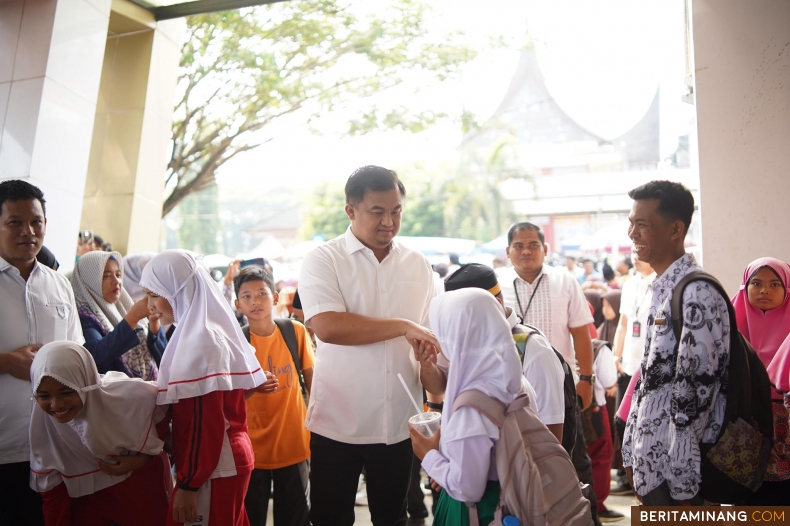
x=636 y=326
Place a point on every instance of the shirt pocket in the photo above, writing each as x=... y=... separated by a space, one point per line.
x=411 y=300
x=55 y=323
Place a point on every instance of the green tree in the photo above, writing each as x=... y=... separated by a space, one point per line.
x=200 y=221
x=423 y=209
x=243 y=70
x=457 y=200
x=324 y=213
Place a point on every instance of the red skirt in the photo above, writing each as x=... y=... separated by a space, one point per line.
x=140 y=499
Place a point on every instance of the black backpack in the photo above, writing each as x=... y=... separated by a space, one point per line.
x=733 y=467
x=569 y=391
x=289 y=335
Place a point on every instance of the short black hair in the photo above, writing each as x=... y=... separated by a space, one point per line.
x=18 y=190
x=608 y=272
x=371 y=179
x=253 y=273
x=518 y=227
x=675 y=201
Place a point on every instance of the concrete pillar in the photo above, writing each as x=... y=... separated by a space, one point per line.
x=50 y=64
x=742 y=64
x=128 y=155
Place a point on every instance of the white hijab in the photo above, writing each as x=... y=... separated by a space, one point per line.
x=207 y=352
x=133 y=265
x=118 y=417
x=475 y=337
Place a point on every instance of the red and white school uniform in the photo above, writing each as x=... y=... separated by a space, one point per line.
x=203 y=373
x=119 y=417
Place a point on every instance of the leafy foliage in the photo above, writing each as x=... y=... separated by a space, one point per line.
x=324 y=214
x=243 y=70
x=457 y=200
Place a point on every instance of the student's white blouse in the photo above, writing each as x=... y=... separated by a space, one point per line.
x=566 y=308
x=35 y=312
x=356 y=396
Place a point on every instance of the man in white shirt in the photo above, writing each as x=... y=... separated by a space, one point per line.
x=573 y=268
x=629 y=340
x=366 y=296
x=37 y=308
x=549 y=299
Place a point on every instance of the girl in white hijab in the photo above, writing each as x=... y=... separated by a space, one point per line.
x=121 y=335
x=475 y=337
x=205 y=369
x=133 y=270
x=92 y=439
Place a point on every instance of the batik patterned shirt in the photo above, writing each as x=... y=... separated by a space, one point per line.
x=681 y=397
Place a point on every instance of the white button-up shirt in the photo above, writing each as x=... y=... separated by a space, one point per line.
x=33 y=312
x=635 y=304
x=356 y=396
x=558 y=307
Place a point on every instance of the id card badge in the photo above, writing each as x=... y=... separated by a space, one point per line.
x=636 y=329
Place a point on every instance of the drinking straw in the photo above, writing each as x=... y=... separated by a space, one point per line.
x=413 y=401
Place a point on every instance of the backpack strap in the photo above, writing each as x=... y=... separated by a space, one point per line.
x=289 y=335
x=738 y=360
x=597 y=346
x=676 y=307
x=492 y=408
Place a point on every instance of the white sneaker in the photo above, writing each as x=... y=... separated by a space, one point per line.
x=362 y=493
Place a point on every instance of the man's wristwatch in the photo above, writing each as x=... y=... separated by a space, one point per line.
x=587 y=378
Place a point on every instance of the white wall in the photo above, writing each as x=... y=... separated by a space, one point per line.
x=50 y=64
x=742 y=63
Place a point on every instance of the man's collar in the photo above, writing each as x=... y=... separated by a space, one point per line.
x=543 y=271
x=5 y=265
x=353 y=244
x=679 y=268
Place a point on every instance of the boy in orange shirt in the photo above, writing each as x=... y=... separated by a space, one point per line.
x=280 y=441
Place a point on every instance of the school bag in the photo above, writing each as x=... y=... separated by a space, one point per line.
x=538 y=484
x=289 y=335
x=568 y=387
x=733 y=467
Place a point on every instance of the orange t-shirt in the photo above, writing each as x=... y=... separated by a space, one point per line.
x=276 y=421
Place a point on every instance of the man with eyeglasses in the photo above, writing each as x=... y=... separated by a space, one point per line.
x=551 y=300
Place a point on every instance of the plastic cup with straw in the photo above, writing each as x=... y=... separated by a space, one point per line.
x=426 y=423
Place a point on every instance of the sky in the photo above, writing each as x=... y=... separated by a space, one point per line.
x=602 y=61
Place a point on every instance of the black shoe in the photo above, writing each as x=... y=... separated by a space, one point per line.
x=623 y=488
x=610 y=516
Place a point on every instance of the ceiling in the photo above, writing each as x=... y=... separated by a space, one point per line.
x=168 y=9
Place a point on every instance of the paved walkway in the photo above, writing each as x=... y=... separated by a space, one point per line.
x=621 y=504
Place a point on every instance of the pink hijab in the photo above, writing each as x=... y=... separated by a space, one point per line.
x=767 y=331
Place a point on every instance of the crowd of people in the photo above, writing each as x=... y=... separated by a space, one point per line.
x=162 y=397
